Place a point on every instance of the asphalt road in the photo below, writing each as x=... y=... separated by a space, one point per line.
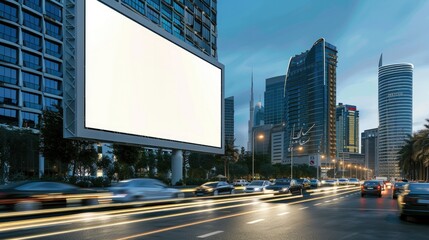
x=331 y=214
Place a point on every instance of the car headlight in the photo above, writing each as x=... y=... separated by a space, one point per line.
x=257 y=189
x=285 y=189
x=209 y=189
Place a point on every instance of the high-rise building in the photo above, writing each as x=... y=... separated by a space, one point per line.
x=229 y=120
x=274 y=100
x=395 y=113
x=347 y=125
x=32 y=48
x=251 y=119
x=310 y=100
x=259 y=115
x=370 y=150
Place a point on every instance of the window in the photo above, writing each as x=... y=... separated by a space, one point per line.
x=8 y=54
x=189 y=4
x=53 y=11
x=189 y=19
x=31 y=100
x=32 y=21
x=8 y=12
x=135 y=4
x=30 y=120
x=206 y=34
x=177 y=19
x=8 y=33
x=178 y=33
x=153 y=16
x=31 y=40
x=53 y=68
x=52 y=86
x=178 y=8
x=154 y=4
x=166 y=24
x=166 y=11
x=52 y=48
x=8 y=116
x=34 y=4
x=197 y=26
x=167 y=1
x=51 y=104
x=31 y=61
x=53 y=30
x=8 y=96
x=31 y=80
x=8 y=75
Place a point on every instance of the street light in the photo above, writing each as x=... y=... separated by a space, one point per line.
x=319 y=165
x=291 y=159
x=333 y=160
x=350 y=166
x=261 y=136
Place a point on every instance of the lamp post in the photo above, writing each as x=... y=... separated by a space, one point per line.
x=350 y=166
x=291 y=159
x=334 y=161
x=253 y=152
x=319 y=165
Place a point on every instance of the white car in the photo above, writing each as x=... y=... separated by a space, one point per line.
x=142 y=189
x=240 y=182
x=257 y=186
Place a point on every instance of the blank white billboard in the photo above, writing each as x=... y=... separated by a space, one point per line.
x=139 y=83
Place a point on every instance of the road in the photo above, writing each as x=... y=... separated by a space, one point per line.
x=331 y=214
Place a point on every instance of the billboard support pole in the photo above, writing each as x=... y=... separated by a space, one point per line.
x=176 y=166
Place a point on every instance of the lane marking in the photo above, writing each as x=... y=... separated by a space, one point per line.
x=317 y=204
x=328 y=201
x=210 y=234
x=335 y=199
x=281 y=214
x=303 y=208
x=169 y=216
x=256 y=221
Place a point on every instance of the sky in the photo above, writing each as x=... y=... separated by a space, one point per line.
x=261 y=35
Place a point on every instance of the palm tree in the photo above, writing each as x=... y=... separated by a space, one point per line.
x=406 y=157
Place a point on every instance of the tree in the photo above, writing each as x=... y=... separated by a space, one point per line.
x=127 y=157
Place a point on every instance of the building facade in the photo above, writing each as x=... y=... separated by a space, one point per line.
x=395 y=112
x=259 y=115
x=274 y=100
x=251 y=121
x=369 y=148
x=310 y=101
x=347 y=128
x=229 y=120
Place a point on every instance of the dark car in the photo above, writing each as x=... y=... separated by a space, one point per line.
x=398 y=188
x=214 y=188
x=305 y=183
x=286 y=185
x=414 y=201
x=31 y=195
x=371 y=188
x=315 y=183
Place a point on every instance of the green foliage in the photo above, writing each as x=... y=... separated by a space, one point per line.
x=127 y=158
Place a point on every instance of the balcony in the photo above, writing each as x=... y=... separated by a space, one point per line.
x=9 y=80
x=53 y=53
x=33 y=105
x=8 y=37
x=8 y=17
x=8 y=59
x=8 y=101
x=54 y=72
x=32 y=65
x=53 y=91
x=32 y=25
x=53 y=16
x=33 y=6
x=31 y=85
x=52 y=108
x=13 y=121
x=32 y=45
x=54 y=34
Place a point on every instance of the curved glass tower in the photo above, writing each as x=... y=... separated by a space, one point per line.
x=395 y=111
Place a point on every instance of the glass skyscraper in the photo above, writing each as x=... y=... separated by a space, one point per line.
x=395 y=112
x=347 y=125
x=310 y=100
x=274 y=100
x=370 y=150
x=229 y=120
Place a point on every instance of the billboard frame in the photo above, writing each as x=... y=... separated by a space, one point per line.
x=74 y=81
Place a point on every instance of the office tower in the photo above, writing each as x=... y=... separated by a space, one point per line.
x=259 y=114
x=370 y=150
x=274 y=100
x=395 y=112
x=310 y=100
x=347 y=128
x=251 y=119
x=229 y=120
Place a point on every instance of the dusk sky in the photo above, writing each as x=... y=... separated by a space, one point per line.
x=263 y=34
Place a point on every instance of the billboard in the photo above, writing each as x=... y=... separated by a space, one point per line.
x=137 y=84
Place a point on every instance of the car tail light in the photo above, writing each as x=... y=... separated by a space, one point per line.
x=378 y=187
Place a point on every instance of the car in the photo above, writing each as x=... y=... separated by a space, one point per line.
x=354 y=181
x=414 y=201
x=343 y=181
x=286 y=185
x=143 y=189
x=398 y=188
x=305 y=183
x=382 y=184
x=214 y=188
x=240 y=182
x=32 y=195
x=372 y=187
x=388 y=184
x=315 y=183
x=332 y=182
x=257 y=186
